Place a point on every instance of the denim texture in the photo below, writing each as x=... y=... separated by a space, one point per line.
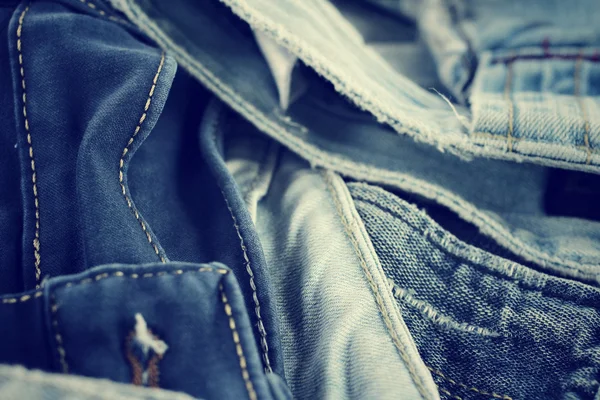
x=79 y=195
x=173 y=213
x=19 y=383
x=350 y=141
x=479 y=320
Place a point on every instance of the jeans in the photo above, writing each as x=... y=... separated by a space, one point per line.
x=176 y=215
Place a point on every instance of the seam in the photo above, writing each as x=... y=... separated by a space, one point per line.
x=101 y=12
x=22 y=299
x=489 y=135
x=447 y=393
x=238 y=345
x=62 y=355
x=54 y=307
x=511 y=106
x=234 y=100
x=374 y=289
x=263 y=122
x=546 y=56
x=261 y=327
x=462 y=385
x=580 y=101
x=435 y=316
x=502 y=275
x=126 y=150
x=36 y=240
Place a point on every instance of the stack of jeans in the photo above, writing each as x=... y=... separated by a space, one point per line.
x=273 y=199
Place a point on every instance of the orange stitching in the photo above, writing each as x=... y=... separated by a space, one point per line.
x=126 y=150
x=59 y=341
x=373 y=286
x=238 y=346
x=511 y=107
x=136 y=366
x=577 y=92
x=261 y=327
x=473 y=389
x=36 y=240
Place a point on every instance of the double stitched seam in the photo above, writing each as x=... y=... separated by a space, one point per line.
x=462 y=385
x=54 y=305
x=378 y=299
x=36 y=202
x=261 y=327
x=581 y=102
x=238 y=345
x=126 y=150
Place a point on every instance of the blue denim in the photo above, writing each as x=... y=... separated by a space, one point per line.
x=174 y=216
x=80 y=196
x=455 y=297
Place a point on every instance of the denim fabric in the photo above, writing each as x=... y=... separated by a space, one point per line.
x=342 y=336
x=228 y=65
x=87 y=184
x=483 y=325
x=529 y=70
x=328 y=131
x=88 y=324
x=19 y=383
x=172 y=214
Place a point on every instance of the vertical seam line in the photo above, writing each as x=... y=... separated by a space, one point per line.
x=126 y=150
x=36 y=239
x=511 y=106
x=378 y=299
x=581 y=103
x=261 y=327
x=238 y=345
x=62 y=355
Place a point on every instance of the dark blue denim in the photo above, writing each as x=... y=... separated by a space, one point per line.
x=89 y=195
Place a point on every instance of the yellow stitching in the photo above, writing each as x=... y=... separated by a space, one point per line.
x=577 y=92
x=36 y=240
x=126 y=150
x=261 y=327
x=374 y=289
x=238 y=345
x=35 y=295
x=59 y=341
x=511 y=107
x=449 y=394
x=473 y=389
